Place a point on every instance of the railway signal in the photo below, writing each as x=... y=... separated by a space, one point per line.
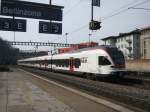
x=94 y=25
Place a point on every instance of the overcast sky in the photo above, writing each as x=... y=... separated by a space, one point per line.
x=76 y=16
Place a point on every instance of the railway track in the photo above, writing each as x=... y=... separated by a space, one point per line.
x=127 y=94
x=131 y=82
x=138 y=75
x=139 y=79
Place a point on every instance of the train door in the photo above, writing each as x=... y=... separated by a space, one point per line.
x=71 y=64
x=45 y=63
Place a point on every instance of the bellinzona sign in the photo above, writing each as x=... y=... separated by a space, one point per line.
x=24 y=9
x=31 y=10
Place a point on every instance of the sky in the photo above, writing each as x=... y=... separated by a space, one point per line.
x=115 y=15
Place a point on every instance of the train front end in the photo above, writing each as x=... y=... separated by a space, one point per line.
x=112 y=63
x=118 y=62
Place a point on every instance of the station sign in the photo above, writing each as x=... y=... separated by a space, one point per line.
x=26 y=9
x=10 y=24
x=50 y=27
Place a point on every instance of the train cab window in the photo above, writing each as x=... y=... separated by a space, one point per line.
x=103 y=61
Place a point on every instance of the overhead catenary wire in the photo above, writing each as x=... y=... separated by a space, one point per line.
x=67 y=12
x=72 y=8
x=122 y=7
x=139 y=8
x=84 y=26
x=141 y=3
x=124 y=10
x=78 y=29
x=110 y=16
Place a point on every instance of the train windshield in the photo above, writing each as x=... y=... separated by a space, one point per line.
x=103 y=61
x=116 y=55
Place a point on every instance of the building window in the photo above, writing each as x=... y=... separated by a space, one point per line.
x=125 y=46
x=121 y=39
x=143 y=33
x=125 y=39
x=121 y=46
x=144 y=44
x=144 y=53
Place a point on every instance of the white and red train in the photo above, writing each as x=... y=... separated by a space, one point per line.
x=95 y=61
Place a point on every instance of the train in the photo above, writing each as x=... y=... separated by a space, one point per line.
x=100 y=61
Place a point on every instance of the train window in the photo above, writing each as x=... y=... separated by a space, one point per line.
x=103 y=61
x=48 y=61
x=61 y=62
x=77 y=63
x=64 y=63
x=67 y=62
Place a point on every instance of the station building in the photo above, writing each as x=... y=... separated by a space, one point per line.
x=128 y=43
x=134 y=44
x=145 y=43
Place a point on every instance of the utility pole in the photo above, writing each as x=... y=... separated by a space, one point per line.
x=94 y=25
x=50 y=2
x=14 y=26
x=92 y=10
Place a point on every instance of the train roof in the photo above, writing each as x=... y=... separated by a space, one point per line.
x=92 y=48
x=105 y=47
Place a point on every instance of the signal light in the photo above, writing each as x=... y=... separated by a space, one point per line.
x=94 y=25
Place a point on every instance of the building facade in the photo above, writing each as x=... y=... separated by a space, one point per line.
x=110 y=41
x=128 y=43
x=145 y=43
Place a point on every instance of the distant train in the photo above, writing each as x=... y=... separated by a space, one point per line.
x=92 y=62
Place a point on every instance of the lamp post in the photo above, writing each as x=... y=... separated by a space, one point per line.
x=90 y=37
x=66 y=37
x=51 y=60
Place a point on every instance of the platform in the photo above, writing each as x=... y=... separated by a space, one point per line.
x=22 y=92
